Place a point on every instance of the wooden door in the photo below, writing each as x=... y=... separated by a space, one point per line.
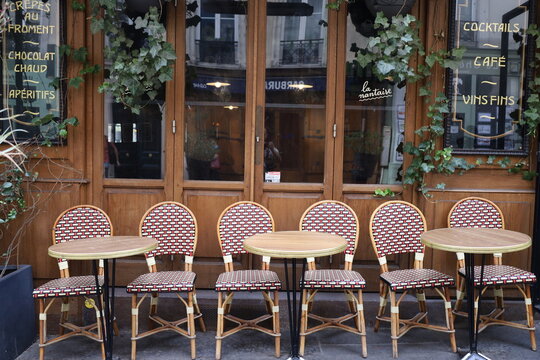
x=370 y=129
x=133 y=155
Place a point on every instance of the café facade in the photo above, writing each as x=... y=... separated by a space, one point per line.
x=268 y=104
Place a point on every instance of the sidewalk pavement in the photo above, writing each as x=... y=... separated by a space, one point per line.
x=496 y=342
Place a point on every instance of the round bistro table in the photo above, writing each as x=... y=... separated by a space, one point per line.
x=294 y=245
x=104 y=248
x=475 y=241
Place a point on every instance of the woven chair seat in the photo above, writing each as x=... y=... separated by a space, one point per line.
x=69 y=286
x=163 y=281
x=501 y=275
x=333 y=279
x=416 y=279
x=241 y=280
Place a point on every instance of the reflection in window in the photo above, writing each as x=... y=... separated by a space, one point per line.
x=295 y=86
x=487 y=89
x=215 y=90
x=374 y=113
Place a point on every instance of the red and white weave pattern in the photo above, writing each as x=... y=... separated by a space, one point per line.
x=163 y=281
x=69 y=286
x=333 y=279
x=173 y=226
x=416 y=278
x=80 y=223
x=501 y=275
x=248 y=280
x=240 y=222
x=396 y=229
x=334 y=218
x=475 y=213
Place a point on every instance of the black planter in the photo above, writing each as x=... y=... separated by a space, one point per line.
x=17 y=319
x=390 y=7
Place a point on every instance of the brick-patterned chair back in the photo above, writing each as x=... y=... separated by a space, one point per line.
x=395 y=228
x=240 y=221
x=475 y=212
x=333 y=217
x=174 y=226
x=80 y=222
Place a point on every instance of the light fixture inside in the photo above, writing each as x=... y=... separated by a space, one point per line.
x=231 y=107
x=218 y=84
x=300 y=86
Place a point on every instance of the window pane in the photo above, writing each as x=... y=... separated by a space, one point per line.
x=215 y=90
x=133 y=144
x=31 y=63
x=487 y=90
x=374 y=114
x=295 y=85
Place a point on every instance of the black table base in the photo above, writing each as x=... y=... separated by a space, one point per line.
x=473 y=321
x=295 y=313
x=106 y=301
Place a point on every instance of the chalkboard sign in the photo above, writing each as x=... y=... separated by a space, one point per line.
x=488 y=91
x=31 y=62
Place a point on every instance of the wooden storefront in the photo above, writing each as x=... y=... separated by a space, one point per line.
x=316 y=164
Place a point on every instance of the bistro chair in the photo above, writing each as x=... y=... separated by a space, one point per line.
x=78 y=222
x=395 y=228
x=236 y=223
x=174 y=226
x=476 y=212
x=336 y=218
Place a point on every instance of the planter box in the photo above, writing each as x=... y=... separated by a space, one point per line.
x=17 y=318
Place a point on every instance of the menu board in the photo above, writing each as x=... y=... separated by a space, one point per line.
x=31 y=63
x=488 y=90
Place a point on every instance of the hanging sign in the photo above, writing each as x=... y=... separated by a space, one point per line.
x=488 y=90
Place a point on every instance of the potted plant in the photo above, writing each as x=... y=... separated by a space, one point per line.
x=367 y=148
x=17 y=327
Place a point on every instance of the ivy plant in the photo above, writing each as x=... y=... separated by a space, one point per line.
x=137 y=71
x=531 y=116
x=389 y=54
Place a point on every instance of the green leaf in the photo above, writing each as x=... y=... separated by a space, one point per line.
x=76 y=81
x=78 y=6
x=384 y=67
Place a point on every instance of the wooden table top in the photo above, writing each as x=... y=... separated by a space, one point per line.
x=102 y=247
x=295 y=244
x=476 y=240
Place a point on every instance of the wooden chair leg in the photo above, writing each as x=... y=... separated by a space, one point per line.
x=153 y=310
x=228 y=305
x=191 y=325
x=134 y=325
x=530 y=316
x=361 y=323
x=449 y=318
x=383 y=293
x=275 y=318
x=42 y=328
x=64 y=314
x=394 y=313
x=499 y=299
x=303 y=321
x=198 y=312
x=460 y=295
x=98 y=325
x=219 y=327
x=421 y=297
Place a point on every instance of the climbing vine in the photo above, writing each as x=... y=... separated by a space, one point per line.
x=137 y=71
